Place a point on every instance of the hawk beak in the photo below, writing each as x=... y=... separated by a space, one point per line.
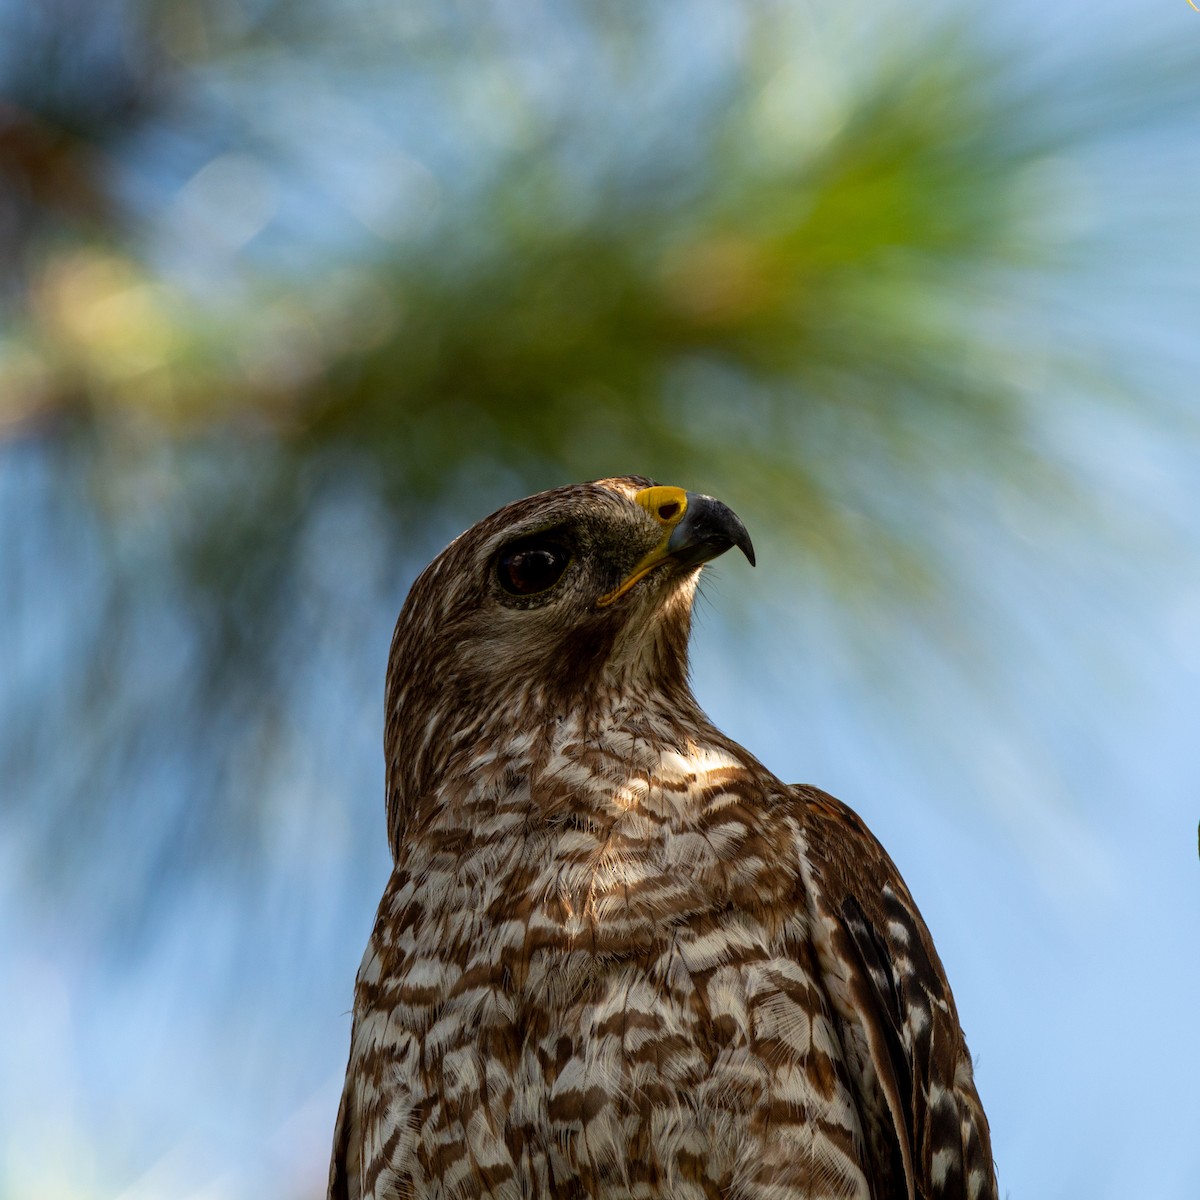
x=696 y=529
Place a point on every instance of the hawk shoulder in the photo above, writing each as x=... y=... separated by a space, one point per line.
x=892 y=995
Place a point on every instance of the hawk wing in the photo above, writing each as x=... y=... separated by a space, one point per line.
x=342 y=1161
x=929 y=1134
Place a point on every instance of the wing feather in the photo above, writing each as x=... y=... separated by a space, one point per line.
x=343 y=1158
x=878 y=956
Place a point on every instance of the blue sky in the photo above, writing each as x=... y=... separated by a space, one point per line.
x=1046 y=823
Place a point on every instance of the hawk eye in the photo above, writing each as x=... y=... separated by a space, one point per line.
x=532 y=568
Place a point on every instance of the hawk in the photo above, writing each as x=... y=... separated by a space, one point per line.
x=616 y=956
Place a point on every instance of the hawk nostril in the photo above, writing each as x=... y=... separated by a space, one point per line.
x=667 y=511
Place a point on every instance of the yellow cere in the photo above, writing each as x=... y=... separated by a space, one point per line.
x=667 y=506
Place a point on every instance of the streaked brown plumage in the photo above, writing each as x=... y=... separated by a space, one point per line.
x=617 y=957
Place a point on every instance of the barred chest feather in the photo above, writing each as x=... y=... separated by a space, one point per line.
x=594 y=973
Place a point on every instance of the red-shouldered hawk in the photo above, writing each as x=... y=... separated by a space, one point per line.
x=617 y=957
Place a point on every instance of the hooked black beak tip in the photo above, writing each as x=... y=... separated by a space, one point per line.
x=709 y=528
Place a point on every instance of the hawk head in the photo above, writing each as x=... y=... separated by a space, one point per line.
x=566 y=602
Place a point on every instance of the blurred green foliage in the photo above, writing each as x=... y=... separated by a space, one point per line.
x=271 y=262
